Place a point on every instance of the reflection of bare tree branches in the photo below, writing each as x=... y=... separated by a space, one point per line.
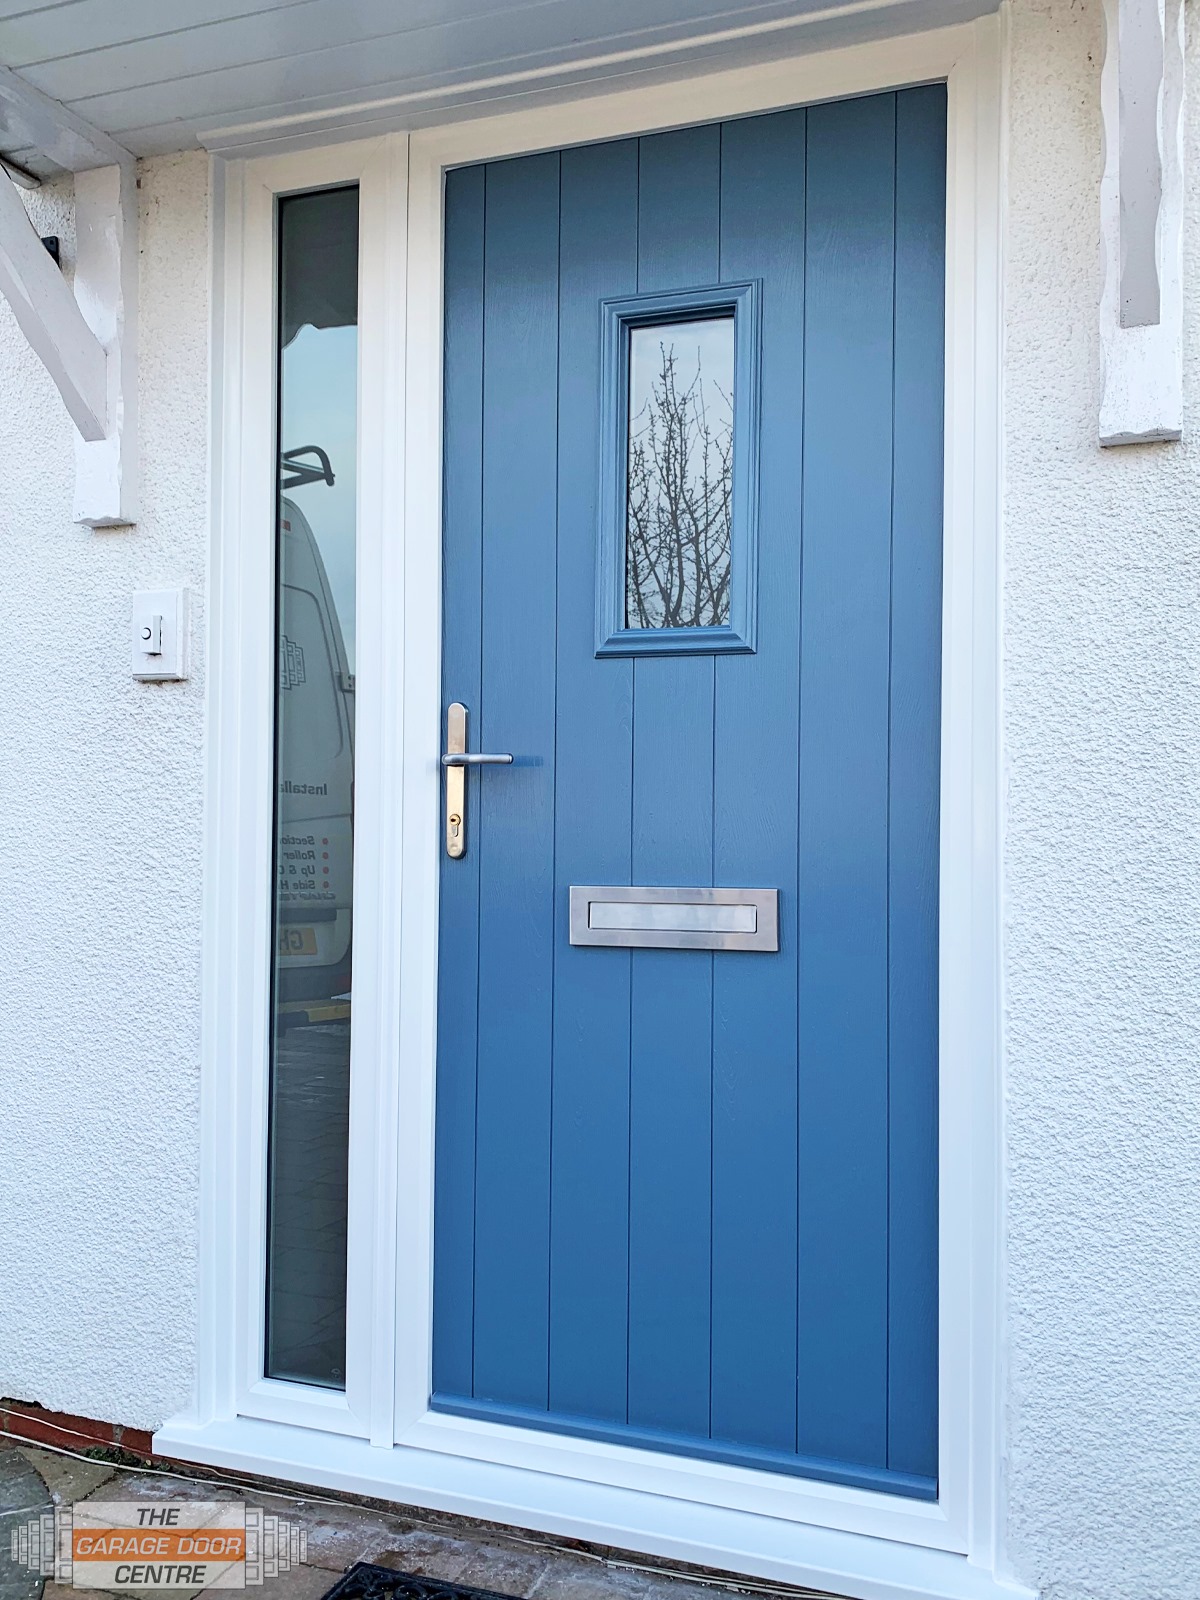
x=678 y=506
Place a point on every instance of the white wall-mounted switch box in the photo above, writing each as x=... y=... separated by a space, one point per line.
x=160 y=635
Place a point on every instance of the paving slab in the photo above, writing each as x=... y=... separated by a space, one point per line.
x=505 y=1568
x=568 y=1578
x=302 y=1583
x=123 y=1483
x=338 y=1536
x=68 y=1478
x=57 y=1591
x=429 y=1555
x=23 y=1498
x=128 y=1485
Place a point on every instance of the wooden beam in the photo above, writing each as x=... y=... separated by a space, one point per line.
x=1141 y=222
x=44 y=124
x=86 y=340
x=51 y=319
x=1139 y=157
x=106 y=285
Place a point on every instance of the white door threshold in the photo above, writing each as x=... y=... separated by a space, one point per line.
x=738 y=1542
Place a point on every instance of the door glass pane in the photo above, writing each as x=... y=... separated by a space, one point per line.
x=679 y=474
x=314 y=773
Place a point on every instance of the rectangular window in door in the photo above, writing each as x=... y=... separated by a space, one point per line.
x=314 y=788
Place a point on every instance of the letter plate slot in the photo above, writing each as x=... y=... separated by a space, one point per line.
x=675 y=919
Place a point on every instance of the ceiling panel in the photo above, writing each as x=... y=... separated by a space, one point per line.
x=18 y=8
x=445 y=53
x=307 y=28
x=68 y=29
x=159 y=139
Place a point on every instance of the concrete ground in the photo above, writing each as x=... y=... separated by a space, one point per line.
x=340 y=1533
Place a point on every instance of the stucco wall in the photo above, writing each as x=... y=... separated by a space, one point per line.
x=100 y=824
x=1102 y=862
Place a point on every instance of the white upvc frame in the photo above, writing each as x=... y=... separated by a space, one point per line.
x=862 y=1542
x=239 y=798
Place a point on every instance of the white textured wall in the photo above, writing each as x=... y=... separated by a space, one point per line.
x=100 y=829
x=1102 y=856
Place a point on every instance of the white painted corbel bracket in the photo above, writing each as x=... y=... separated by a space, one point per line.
x=106 y=287
x=85 y=339
x=1141 y=222
x=50 y=317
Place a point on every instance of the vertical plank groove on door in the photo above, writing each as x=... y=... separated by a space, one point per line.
x=671 y=1066
x=914 y=764
x=756 y=792
x=458 y=927
x=589 y=1220
x=847 y=496
x=514 y=819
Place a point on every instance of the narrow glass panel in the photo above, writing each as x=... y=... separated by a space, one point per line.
x=314 y=771
x=679 y=474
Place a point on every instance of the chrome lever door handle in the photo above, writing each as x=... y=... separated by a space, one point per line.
x=455 y=761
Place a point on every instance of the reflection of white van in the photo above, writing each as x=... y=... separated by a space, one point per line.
x=314 y=851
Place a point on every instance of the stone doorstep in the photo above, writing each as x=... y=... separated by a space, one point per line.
x=468 y=1533
x=345 y=1528
x=483 y=1555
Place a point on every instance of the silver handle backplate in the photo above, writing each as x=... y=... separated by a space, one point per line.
x=456 y=760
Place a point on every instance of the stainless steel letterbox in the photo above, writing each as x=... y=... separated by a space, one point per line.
x=675 y=919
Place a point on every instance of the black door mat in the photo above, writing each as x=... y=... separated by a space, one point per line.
x=366 y=1581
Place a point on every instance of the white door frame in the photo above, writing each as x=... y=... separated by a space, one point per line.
x=862 y=1542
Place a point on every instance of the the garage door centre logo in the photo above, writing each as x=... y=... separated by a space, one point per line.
x=160 y=1544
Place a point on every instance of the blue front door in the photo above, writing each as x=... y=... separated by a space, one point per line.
x=686 y=1199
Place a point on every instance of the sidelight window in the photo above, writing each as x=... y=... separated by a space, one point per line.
x=317 y=403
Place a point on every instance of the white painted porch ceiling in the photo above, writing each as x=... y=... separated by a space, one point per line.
x=162 y=75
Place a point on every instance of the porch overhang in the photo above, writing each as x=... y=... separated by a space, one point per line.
x=247 y=78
